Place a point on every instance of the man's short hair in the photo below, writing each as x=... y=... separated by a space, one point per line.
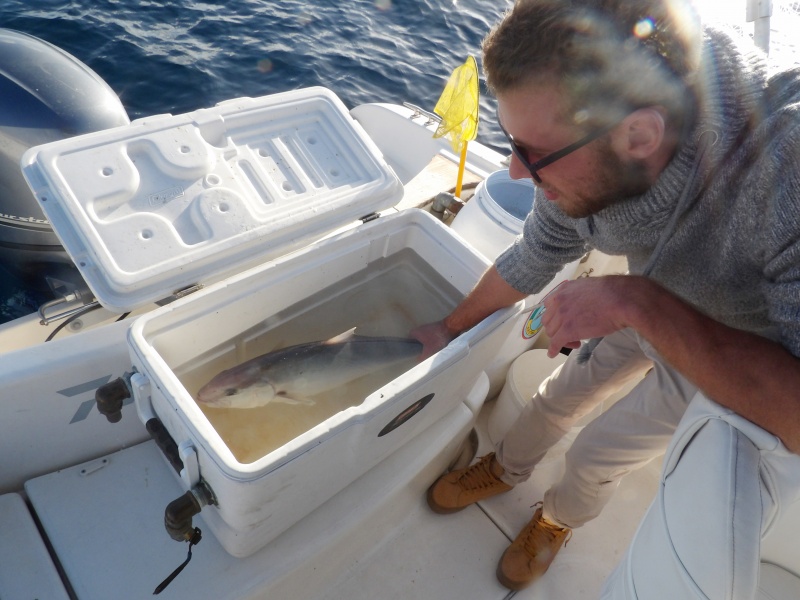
x=610 y=57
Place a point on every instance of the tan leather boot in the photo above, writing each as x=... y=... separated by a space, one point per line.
x=458 y=489
x=529 y=556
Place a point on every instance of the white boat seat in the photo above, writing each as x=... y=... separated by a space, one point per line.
x=696 y=540
x=26 y=569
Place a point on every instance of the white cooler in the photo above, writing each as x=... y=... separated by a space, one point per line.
x=237 y=196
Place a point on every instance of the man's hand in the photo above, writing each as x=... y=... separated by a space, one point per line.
x=434 y=337
x=490 y=294
x=586 y=308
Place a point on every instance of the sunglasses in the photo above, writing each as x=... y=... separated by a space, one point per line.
x=540 y=164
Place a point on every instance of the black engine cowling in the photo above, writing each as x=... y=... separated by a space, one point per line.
x=45 y=95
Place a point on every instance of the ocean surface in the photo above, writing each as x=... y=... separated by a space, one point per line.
x=173 y=57
x=178 y=56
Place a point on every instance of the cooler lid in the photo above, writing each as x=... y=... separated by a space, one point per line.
x=147 y=209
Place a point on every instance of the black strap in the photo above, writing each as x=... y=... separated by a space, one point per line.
x=192 y=542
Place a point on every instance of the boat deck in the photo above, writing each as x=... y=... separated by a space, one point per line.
x=94 y=532
x=455 y=556
x=346 y=550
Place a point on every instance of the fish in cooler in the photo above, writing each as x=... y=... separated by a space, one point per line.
x=297 y=373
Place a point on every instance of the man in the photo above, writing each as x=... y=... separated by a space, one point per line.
x=649 y=137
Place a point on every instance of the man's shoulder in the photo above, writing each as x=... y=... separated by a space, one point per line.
x=782 y=97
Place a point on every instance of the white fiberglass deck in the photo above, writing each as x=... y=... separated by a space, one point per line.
x=454 y=557
x=347 y=549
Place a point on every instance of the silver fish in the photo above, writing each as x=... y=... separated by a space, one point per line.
x=295 y=373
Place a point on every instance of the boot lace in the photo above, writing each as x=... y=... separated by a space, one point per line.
x=541 y=534
x=479 y=475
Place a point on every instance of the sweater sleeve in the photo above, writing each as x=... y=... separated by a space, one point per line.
x=548 y=241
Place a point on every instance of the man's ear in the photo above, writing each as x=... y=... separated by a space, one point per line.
x=641 y=133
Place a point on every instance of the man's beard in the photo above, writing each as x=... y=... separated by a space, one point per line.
x=616 y=181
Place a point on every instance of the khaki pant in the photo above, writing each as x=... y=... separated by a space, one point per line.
x=629 y=434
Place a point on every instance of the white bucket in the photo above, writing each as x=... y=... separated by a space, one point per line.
x=524 y=377
x=493 y=217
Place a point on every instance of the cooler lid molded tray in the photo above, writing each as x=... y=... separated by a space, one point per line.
x=167 y=202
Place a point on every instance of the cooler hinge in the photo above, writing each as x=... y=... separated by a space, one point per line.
x=178 y=294
x=370 y=217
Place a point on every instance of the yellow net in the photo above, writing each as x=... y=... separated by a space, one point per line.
x=458 y=106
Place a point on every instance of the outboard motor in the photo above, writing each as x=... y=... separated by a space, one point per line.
x=45 y=95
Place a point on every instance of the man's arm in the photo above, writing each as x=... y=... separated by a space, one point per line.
x=753 y=376
x=491 y=293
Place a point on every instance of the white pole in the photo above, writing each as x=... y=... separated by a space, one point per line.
x=759 y=13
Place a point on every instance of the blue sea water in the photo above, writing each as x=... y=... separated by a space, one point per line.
x=187 y=54
x=174 y=57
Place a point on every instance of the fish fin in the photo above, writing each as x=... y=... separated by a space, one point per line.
x=342 y=337
x=291 y=400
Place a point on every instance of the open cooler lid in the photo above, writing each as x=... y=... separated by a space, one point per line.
x=164 y=203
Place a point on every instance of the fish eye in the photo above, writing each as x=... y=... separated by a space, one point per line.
x=231 y=392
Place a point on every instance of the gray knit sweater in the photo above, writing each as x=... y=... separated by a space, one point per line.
x=735 y=253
